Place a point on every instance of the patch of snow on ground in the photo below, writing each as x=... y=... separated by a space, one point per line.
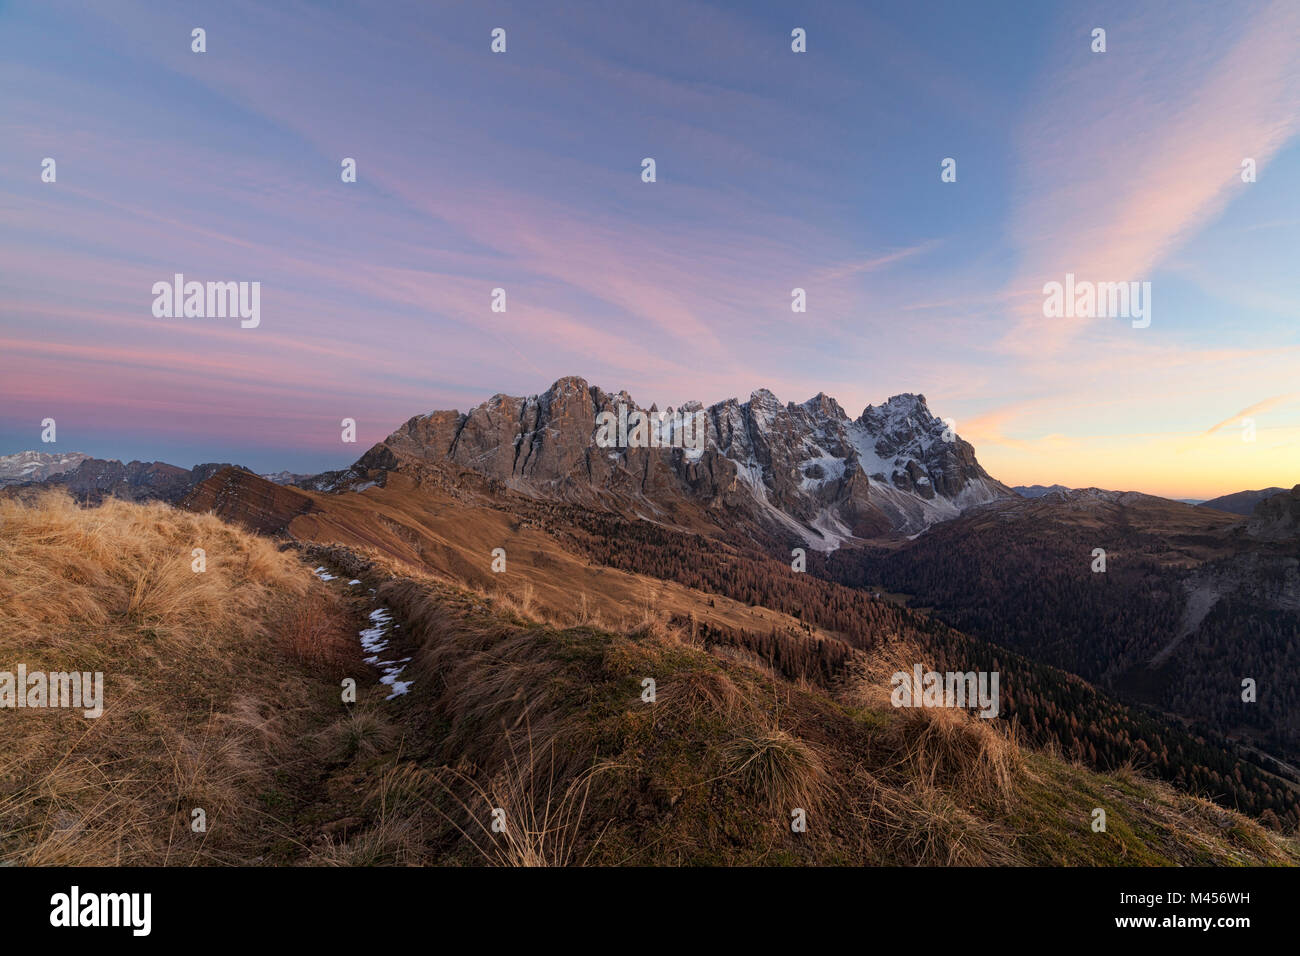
x=323 y=574
x=374 y=641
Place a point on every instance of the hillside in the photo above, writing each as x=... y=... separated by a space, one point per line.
x=709 y=772
x=210 y=680
x=222 y=694
x=1191 y=600
x=1241 y=502
x=564 y=554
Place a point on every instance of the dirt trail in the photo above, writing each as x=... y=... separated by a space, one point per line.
x=381 y=635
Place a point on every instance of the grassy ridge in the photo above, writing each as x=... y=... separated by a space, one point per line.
x=223 y=694
x=209 y=679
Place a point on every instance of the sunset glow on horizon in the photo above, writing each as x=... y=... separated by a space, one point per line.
x=775 y=171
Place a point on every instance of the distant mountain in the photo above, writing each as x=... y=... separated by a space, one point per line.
x=804 y=472
x=286 y=478
x=36 y=465
x=1242 y=502
x=94 y=479
x=1037 y=491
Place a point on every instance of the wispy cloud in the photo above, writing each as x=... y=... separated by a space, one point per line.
x=521 y=171
x=1130 y=151
x=1256 y=409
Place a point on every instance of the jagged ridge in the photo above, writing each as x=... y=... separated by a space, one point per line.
x=806 y=470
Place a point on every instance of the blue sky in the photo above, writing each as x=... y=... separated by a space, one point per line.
x=775 y=170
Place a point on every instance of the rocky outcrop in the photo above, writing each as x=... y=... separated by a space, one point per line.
x=804 y=469
x=1276 y=518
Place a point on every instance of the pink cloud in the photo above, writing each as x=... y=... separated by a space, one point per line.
x=1134 y=149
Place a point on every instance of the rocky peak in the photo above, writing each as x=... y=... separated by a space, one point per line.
x=797 y=465
x=825 y=407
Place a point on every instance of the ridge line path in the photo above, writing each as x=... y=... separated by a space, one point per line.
x=383 y=631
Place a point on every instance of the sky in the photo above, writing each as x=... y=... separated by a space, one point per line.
x=775 y=170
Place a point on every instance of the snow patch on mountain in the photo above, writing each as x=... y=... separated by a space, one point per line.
x=36 y=465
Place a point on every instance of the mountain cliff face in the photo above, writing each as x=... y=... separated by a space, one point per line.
x=1276 y=517
x=804 y=470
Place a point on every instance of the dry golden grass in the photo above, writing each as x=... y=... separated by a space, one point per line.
x=704 y=692
x=964 y=753
x=748 y=745
x=396 y=831
x=358 y=733
x=318 y=635
x=524 y=815
x=207 y=679
x=420 y=530
x=222 y=687
x=711 y=771
x=781 y=771
x=914 y=823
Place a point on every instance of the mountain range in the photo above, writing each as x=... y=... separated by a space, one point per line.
x=93 y=479
x=807 y=470
x=28 y=466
